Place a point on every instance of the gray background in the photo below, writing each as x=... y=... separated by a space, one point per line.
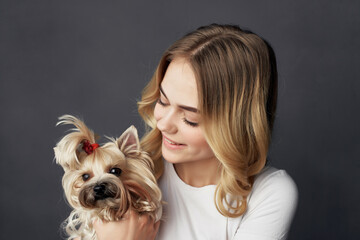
x=92 y=58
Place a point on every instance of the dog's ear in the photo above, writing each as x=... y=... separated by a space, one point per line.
x=68 y=150
x=67 y=154
x=61 y=159
x=128 y=142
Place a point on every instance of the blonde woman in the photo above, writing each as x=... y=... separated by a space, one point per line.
x=210 y=110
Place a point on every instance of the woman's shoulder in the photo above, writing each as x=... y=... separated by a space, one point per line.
x=274 y=192
x=271 y=205
x=270 y=173
x=274 y=183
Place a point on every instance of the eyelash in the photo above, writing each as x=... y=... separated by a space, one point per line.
x=160 y=102
x=191 y=124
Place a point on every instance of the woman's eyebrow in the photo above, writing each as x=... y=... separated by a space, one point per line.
x=191 y=109
x=187 y=108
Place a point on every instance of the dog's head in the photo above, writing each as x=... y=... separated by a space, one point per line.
x=106 y=180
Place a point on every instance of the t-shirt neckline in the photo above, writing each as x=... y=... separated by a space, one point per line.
x=181 y=183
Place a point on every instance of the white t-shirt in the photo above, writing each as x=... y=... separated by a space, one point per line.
x=190 y=212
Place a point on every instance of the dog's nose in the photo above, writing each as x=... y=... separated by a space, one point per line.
x=99 y=189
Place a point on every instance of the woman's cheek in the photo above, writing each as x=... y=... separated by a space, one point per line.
x=197 y=139
x=157 y=112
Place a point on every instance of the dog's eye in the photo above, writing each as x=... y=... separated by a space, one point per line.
x=115 y=171
x=85 y=176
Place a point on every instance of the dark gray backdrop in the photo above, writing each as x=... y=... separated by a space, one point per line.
x=92 y=58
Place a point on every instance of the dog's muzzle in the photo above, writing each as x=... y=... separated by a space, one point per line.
x=92 y=195
x=101 y=192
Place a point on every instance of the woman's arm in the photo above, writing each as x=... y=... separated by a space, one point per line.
x=132 y=227
x=271 y=208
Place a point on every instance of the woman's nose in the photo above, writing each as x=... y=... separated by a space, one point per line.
x=167 y=123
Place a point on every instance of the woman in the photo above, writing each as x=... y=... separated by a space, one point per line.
x=210 y=107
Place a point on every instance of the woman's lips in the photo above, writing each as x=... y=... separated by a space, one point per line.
x=172 y=144
x=171 y=141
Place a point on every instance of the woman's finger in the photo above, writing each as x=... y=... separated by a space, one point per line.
x=156 y=226
x=96 y=223
x=131 y=226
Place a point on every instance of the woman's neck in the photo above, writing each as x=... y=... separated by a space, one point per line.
x=199 y=173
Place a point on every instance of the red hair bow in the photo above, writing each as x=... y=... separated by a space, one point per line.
x=89 y=148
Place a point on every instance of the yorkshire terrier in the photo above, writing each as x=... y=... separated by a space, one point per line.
x=104 y=182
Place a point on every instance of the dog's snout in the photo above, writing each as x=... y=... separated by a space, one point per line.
x=102 y=191
x=99 y=189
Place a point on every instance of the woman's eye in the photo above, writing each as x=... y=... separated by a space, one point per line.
x=86 y=177
x=192 y=124
x=115 y=171
x=161 y=102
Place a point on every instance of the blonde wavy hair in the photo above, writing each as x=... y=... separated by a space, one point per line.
x=236 y=77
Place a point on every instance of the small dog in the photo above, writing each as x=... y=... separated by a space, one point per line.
x=104 y=182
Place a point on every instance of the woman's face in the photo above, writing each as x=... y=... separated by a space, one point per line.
x=178 y=118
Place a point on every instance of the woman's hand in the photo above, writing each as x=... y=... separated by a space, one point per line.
x=131 y=227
